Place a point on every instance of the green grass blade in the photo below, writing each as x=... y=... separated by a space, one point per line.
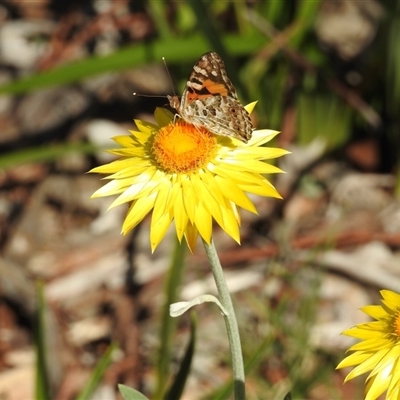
x=257 y=357
x=208 y=26
x=173 y=280
x=307 y=10
x=324 y=116
x=45 y=153
x=305 y=18
x=159 y=13
x=42 y=385
x=272 y=11
x=178 y=50
x=97 y=374
x=178 y=386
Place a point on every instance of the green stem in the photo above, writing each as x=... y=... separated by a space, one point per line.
x=230 y=321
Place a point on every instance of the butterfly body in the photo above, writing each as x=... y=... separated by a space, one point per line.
x=209 y=100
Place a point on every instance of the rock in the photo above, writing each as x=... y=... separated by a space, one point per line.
x=18 y=46
x=99 y=132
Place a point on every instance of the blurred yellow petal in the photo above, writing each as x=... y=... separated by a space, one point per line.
x=375 y=312
x=388 y=295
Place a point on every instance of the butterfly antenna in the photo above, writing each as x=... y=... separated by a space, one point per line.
x=169 y=76
x=148 y=95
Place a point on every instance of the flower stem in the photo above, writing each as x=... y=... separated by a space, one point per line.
x=230 y=321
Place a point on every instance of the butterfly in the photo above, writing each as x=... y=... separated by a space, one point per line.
x=209 y=100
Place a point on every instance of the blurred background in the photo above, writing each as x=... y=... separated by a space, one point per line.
x=325 y=73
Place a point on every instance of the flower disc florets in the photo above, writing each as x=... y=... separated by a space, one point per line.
x=181 y=148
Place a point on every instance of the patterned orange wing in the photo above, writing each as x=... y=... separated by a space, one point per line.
x=210 y=100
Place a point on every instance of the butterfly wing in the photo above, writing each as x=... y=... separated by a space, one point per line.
x=210 y=100
x=222 y=116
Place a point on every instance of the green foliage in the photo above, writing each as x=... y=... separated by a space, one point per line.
x=176 y=51
x=97 y=374
x=45 y=153
x=167 y=330
x=43 y=391
x=331 y=118
x=130 y=394
x=279 y=342
x=176 y=390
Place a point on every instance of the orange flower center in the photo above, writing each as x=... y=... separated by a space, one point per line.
x=182 y=148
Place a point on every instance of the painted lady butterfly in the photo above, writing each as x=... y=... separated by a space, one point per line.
x=210 y=101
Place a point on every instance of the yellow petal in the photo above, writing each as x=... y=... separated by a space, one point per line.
x=261 y=136
x=376 y=312
x=125 y=140
x=250 y=107
x=144 y=127
x=191 y=235
x=158 y=229
x=360 y=333
x=376 y=386
x=367 y=365
x=138 y=210
x=259 y=153
x=235 y=194
x=161 y=205
x=231 y=222
x=266 y=190
x=207 y=201
x=181 y=217
x=189 y=198
x=163 y=116
x=353 y=359
x=135 y=191
x=391 y=299
x=203 y=222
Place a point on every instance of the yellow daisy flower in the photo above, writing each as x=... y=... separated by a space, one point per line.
x=379 y=351
x=188 y=175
